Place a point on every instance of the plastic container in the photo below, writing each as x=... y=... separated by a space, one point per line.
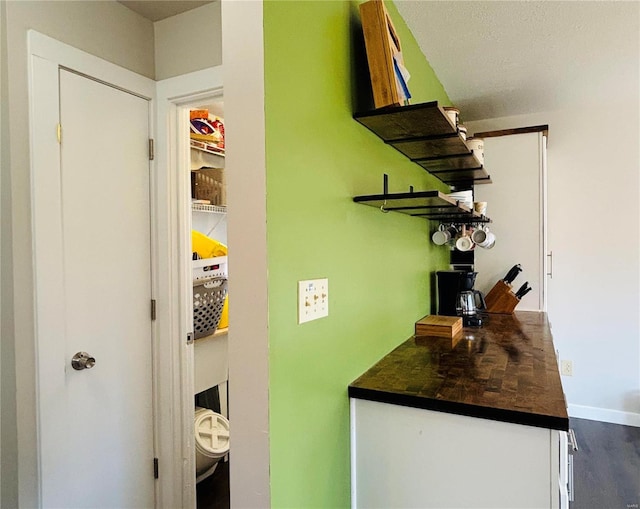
x=476 y=145
x=209 y=267
x=480 y=207
x=206 y=247
x=453 y=114
x=212 y=438
x=224 y=317
x=204 y=270
x=208 y=300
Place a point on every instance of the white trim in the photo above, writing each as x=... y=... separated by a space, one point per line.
x=191 y=87
x=47 y=262
x=54 y=54
x=175 y=360
x=604 y=415
x=81 y=61
x=544 y=227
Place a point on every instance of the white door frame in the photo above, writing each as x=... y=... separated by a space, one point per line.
x=44 y=147
x=545 y=262
x=175 y=359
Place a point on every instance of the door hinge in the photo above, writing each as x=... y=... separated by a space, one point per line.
x=190 y=338
x=151 y=151
x=155 y=468
x=59 y=132
x=153 y=309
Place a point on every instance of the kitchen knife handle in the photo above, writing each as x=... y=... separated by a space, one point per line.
x=521 y=295
x=512 y=274
x=550 y=265
x=522 y=289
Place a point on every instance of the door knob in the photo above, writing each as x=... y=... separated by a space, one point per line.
x=82 y=360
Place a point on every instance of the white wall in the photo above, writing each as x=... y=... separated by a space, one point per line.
x=188 y=42
x=594 y=295
x=248 y=315
x=108 y=30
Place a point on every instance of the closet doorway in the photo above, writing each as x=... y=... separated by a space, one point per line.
x=193 y=179
x=210 y=318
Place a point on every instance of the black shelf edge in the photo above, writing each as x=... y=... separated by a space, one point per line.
x=432 y=205
x=418 y=139
x=398 y=196
x=405 y=127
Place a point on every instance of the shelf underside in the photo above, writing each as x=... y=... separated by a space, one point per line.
x=424 y=147
x=425 y=135
x=428 y=204
x=402 y=122
x=457 y=175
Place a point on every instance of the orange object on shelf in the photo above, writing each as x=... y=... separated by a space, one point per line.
x=202 y=113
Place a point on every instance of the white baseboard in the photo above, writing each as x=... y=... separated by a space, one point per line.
x=604 y=415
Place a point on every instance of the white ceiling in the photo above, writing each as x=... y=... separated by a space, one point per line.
x=502 y=58
x=156 y=10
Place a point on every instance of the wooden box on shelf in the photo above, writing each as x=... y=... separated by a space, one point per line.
x=383 y=46
x=501 y=299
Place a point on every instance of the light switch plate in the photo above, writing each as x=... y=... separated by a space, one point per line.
x=313 y=299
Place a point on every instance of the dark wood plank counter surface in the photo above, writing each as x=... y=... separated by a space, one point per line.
x=505 y=371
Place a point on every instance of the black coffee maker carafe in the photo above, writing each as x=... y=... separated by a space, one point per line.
x=451 y=285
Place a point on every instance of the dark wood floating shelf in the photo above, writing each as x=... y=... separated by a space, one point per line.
x=424 y=134
x=428 y=204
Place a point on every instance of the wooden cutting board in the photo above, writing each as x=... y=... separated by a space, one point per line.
x=439 y=326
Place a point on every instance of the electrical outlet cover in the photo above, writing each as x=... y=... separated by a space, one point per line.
x=313 y=299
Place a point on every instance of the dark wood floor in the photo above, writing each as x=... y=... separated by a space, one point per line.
x=606 y=469
x=213 y=492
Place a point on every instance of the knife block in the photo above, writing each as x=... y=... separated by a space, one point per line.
x=501 y=299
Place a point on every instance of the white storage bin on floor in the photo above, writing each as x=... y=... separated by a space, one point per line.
x=212 y=439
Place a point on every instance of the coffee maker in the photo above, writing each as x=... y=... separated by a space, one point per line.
x=456 y=296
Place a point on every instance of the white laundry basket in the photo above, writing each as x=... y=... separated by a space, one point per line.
x=212 y=440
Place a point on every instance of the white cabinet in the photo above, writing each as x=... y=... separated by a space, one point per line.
x=516 y=204
x=409 y=457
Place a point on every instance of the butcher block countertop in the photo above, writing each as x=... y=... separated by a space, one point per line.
x=505 y=371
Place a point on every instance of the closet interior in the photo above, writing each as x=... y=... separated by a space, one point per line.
x=210 y=302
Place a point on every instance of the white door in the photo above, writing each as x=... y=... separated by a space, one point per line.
x=96 y=425
x=515 y=204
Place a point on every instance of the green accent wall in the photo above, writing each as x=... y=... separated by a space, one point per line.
x=380 y=266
